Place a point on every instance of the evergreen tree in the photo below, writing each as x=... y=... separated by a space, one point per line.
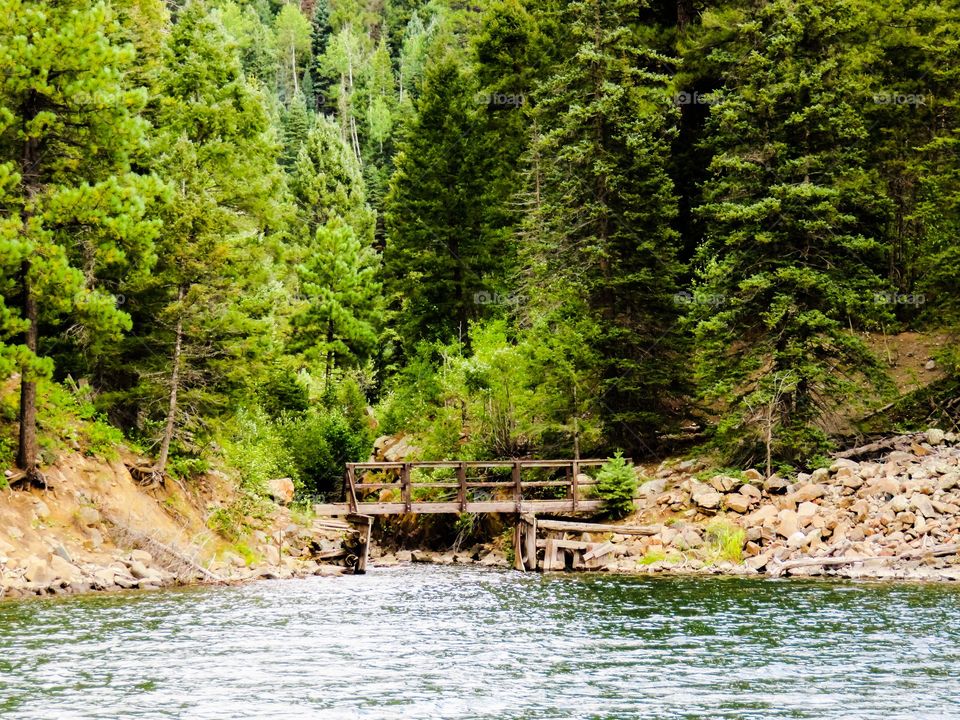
x=599 y=248
x=791 y=261
x=73 y=210
x=439 y=256
x=339 y=282
x=296 y=126
x=327 y=183
x=218 y=154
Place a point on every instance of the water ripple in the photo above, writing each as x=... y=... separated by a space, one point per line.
x=430 y=642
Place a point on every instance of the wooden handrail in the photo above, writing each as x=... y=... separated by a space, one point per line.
x=402 y=471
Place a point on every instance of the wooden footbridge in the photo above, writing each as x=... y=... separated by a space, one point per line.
x=488 y=486
x=454 y=486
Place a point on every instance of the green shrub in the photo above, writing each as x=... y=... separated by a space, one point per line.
x=616 y=486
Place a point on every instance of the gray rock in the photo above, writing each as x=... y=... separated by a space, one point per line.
x=88 y=516
x=935 y=436
x=775 y=485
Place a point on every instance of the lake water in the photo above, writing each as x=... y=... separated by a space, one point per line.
x=447 y=642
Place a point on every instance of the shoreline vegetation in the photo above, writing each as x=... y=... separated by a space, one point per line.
x=891 y=514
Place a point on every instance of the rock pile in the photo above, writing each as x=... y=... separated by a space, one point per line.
x=897 y=516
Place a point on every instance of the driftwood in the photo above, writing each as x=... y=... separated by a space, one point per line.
x=145 y=476
x=582 y=527
x=829 y=561
x=875 y=448
x=171 y=558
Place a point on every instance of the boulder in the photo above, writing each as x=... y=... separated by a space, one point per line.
x=923 y=505
x=37 y=570
x=404 y=556
x=65 y=570
x=775 y=485
x=41 y=510
x=737 y=503
x=751 y=491
x=706 y=498
x=88 y=516
x=935 y=436
x=723 y=483
x=762 y=515
x=787 y=523
x=141 y=555
x=810 y=491
x=807 y=510
x=281 y=490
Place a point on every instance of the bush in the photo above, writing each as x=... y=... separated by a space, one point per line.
x=616 y=486
x=319 y=444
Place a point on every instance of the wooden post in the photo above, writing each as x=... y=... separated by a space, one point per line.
x=575 y=486
x=517 y=487
x=405 y=486
x=349 y=488
x=531 y=542
x=518 y=545
x=365 y=531
x=462 y=486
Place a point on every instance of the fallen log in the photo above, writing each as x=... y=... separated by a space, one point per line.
x=877 y=447
x=582 y=527
x=776 y=568
x=168 y=556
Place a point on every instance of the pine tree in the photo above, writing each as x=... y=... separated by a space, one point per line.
x=73 y=209
x=296 y=127
x=327 y=183
x=339 y=282
x=439 y=256
x=791 y=261
x=218 y=154
x=599 y=248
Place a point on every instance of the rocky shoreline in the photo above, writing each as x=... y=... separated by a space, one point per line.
x=888 y=512
x=894 y=516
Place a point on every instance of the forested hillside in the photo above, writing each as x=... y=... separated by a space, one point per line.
x=257 y=234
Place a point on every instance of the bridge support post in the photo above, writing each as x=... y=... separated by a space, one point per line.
x=518 y=547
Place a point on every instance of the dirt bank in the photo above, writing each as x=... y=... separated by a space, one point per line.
x=97 y=529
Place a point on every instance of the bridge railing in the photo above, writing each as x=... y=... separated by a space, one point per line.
x=573 y=483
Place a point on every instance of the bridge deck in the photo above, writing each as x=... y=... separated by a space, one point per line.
x=389 y=488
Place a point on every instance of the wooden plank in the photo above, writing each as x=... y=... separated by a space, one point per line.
x=385 y=465
x=568 y=544
x=598 y=550
x=549 y=555
x=351 y=482
x=518 y=546
x=598 y=527
x=479 y=506
x=574 y=485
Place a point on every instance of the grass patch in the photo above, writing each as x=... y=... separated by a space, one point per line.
x=651 y=557
x=725 y=541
